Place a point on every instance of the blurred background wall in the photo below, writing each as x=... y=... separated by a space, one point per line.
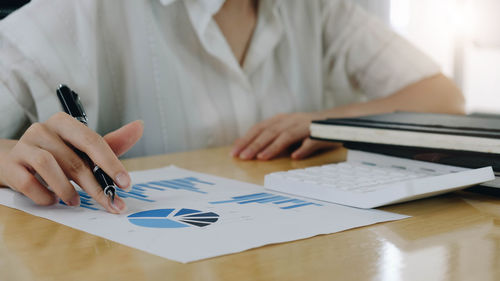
x=463 y=36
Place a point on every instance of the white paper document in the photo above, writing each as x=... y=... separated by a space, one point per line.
x=186 y=216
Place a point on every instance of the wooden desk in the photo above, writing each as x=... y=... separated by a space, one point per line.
x=450 y=237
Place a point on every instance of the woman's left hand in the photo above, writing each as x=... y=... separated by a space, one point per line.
x=269 y=138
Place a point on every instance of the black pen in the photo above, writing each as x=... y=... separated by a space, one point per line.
x=71 y=104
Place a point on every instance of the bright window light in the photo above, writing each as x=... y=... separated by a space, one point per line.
x=400 y=14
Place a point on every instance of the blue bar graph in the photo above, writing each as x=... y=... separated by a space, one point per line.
x=85 y=201
x=265 y=197
x=180 y=184
x=138 y=191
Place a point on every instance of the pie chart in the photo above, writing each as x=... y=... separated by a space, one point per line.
x=173 y=218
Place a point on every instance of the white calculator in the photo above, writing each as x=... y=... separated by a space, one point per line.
x=369 y=180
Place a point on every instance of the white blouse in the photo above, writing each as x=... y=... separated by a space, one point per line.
x=167 y=62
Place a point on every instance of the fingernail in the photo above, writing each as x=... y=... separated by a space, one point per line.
x=262 y=155
x=245 y=154
x=118 y=205
x=123 y=180
x=128 y=189
x=141 y=121
x=75 y=201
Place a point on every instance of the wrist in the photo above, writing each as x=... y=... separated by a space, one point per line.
x=5 y=146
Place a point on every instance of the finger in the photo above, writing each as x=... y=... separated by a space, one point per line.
x=73 y=166
x=81 y=174
x=309 y=146
x=89 y=142
x=260 y=142
x=241 y=143
x=77 y=169
x=44 y=163
x=121 y=140
x=21 y=180
x=93 y=189
x=282 y=142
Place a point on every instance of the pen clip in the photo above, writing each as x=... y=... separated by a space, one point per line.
x=71 y=103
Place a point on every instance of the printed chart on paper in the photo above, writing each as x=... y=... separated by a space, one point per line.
x=186 y=216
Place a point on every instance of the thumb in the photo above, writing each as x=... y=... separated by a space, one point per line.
x=123 y=139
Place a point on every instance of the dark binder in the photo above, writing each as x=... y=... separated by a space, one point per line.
x=464 y=159
x=419 y=130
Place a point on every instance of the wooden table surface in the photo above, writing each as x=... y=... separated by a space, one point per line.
x=450 y=237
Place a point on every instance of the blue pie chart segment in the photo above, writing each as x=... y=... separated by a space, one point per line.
x=173 y=218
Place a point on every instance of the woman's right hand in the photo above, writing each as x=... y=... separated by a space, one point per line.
x=46 y=149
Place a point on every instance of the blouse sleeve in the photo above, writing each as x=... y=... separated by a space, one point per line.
x=362 y=54
x=12 y=116
x=16 y=111
x=42 y=45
